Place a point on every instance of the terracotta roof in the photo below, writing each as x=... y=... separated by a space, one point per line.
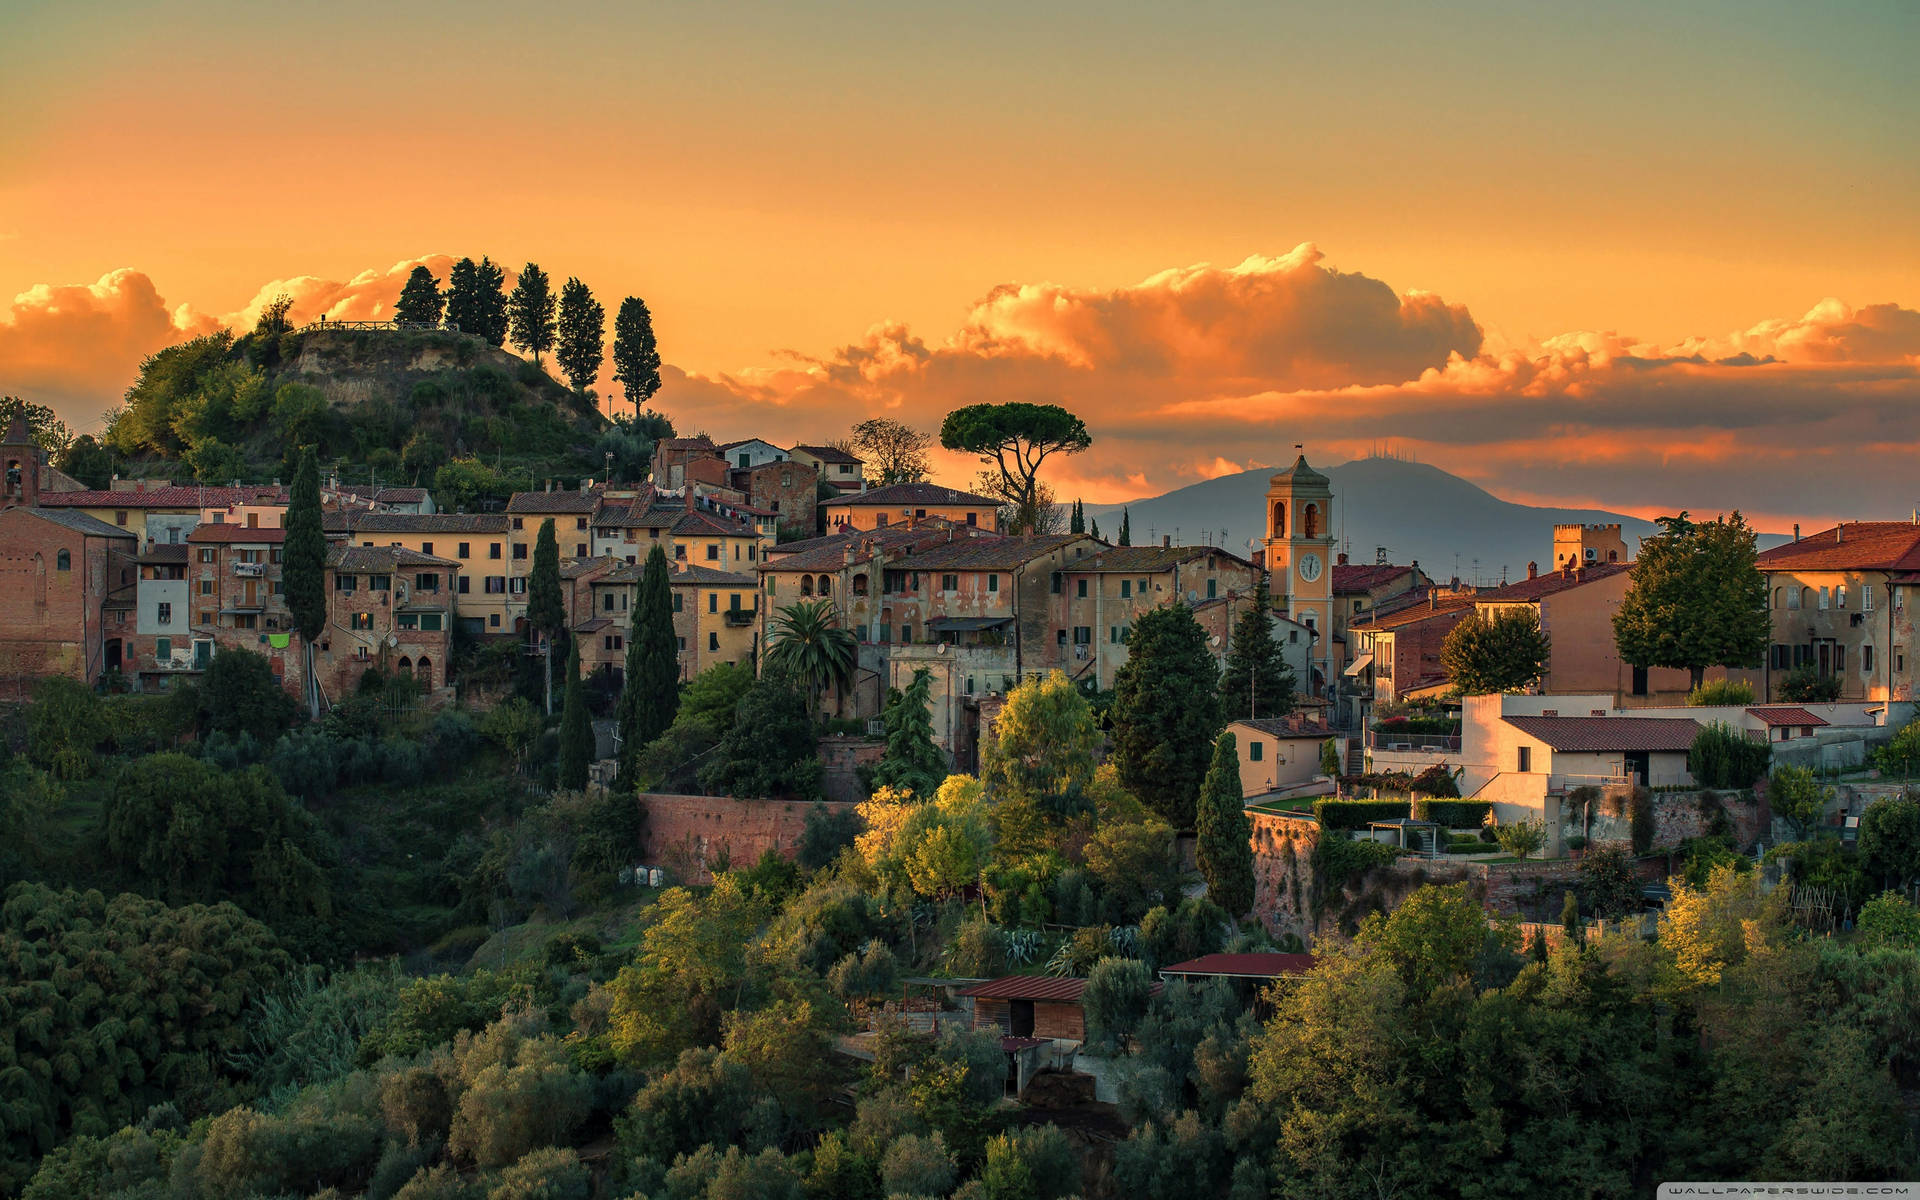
x=695 y=575
x=168 y=497
x=359 y=522
x=1451 y=608
x=1549 y=583
x=382 y=558
x=1601 y=734
x=554 y=502
x=641 y=514
x=382 y=495
x=576 y=568
x=906 y=495
x=1364 y=577
x=826 y=454
x=80 y=523
x=164 y=552
x=220 y=531
x=595 y=625
x=695 y=521
x=829 y=553
x=1300 y=472
x=1784 y=714
x=1286 y=727
x=1246 y=966
x=985 y=554
x=1854 y=545
x=1026 y=987
x=1117 y=560
x=703 y=442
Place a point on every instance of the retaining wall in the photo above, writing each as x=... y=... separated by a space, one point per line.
x=688 y=835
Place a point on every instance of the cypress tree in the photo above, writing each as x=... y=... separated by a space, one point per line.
x=463 y=298
x=1225 y=845
x=1094 y=528
x=582 y=330
x=1256 y=682
x=650 y=694
x=636 y=356
x=530 y=308
x=304 y=568
x=1166 y=712
x=912 y=760
x=545 y=610
x=420 y=300
x=1078 y=522
x=490 y=294
x=576 y=729
x=1126 y=528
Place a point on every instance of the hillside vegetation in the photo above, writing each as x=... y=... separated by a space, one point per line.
x=427 y=407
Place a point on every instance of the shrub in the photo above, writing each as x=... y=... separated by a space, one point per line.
x=1725 y=757
x=246 y=1152
x=1115 y=1001
x=978 y=949
x=1806 y=686
x=1330 y=757
x=1607 y=877
x=551 y=1173
x=508 y=1109
x=1901 y=755
x=1036 y=1163
x=1437 y=781
x=1336 y=859
x=1354 y=814
x=438 y=1183
x=1889 y=920
x=1640 y=811
x=917 y=1166
x=1890 y=838
x=1721 y=693
x=704 y=1098
x=1454 y=814
x=1522 y=839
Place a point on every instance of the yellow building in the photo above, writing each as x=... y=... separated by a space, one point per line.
x=907 y=503
x=715 y=617
x=165 y=515
x=491 y=585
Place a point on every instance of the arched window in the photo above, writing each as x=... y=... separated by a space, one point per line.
x=1806 y=597
x=806 y=585
x=1310 y=521
x=63 y=561
x=1279 y=521
x=860 y=585
x=1613 y=556
x=826 y=585
x=1777 y=597
x=1795 y=596
x=423 y=671
x=406 y=665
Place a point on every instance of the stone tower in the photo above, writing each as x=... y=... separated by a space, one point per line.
x=1300 y=546
x=19 y=466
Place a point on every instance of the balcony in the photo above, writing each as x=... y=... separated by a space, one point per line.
x=737 y=618
x=250 y=570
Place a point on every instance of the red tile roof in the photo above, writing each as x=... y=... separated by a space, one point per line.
x=1785 y=714
x=826 y=454
x=1298 y=725
x=1607 y=734
x=1449 y=608
x=1549 y=583
x=1364 y=577
x=1026 y=987
x=554 y=502
x=1249 y=966
x=907 y=495
x=1004 y=553
x=167 y=497
x=1854 y=545
x=209 y=531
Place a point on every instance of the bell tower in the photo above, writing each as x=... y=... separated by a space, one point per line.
x=1300 y=545
x=19 y=466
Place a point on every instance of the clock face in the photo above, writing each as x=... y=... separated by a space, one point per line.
x=1309 y=567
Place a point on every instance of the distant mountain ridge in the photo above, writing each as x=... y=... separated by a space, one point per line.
x=1410 y=510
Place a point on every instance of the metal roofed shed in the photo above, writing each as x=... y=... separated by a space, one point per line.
x=1241 y=966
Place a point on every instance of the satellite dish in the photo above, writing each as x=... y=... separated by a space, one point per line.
x=393 y=639
x=1214 y=640
x=1192 y=596
x=940 y=649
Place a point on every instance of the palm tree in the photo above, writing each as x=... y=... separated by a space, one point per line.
x=806 y=641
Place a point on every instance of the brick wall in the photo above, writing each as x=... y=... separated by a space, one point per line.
x=685 y=834
x=50 y=620
x=789 y=488
x=841 y=759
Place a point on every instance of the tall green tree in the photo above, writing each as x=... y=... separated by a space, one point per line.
x=1507 y=652
x=1126 y=528
x=582 y=333
x=891 y=451
x=772 y=749
x=463 y=310
x=1013 y=440
x=1078 y=522
x=636 y=355
x=1698 y=599
x=1166 y=712
x=1225 y=844
x=303 y=570
x=1257 y=681
x=807 y=642
x=420 y=300
x=650 y=693
x=1041 y=752
x=530 y=313
x=912 y=760
x=546 y=611
x=576 y=727
x=490 y=295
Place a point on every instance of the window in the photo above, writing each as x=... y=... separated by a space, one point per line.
x=713 y=641
x=579 y=522
x=407 y=621
x=206 y=554
x=969 y=685
x=346 y=583
x=886 y=633
x=1080 y=589
x=1058 y=580
x=206 y=587
x=1840 y=596
x=786 y=479
x=733 y=602
x=63 y=561
x=119 y=516
x=465 y=550
x=1866 y=660
x=1866 y=597
x=1777 y=657
x=379 y=583
x=1082 y=635
x=1293 y=635
x=1826 y=598
x=1060 y=637
x=493 y=620
x=1143 y=587
x=464 y=583
x=493 y=550
x=1793 y=598
x=517 y=524
x=430 y=622
x=682 y=643
x=973 y=518
x=1256 y=751
x=606 y=602
x=1126 y=589
x=879 y=519
x=679 y=552
x=519 y=552
x=517 y=586
x=277 y=554
x=1839 y=659
x=1526 y=759
x=162 y=647
x=1213 y=589
x=713 y=552
x=679 y=599
x=949 y=583
x=496 y=586
x=993 y=583
x=1900 y=661
x=1639 y=681
x=713 y=602
x=363 y=620
x=426 y=547
x=1777 y=599
x=750 y=550
x=164 y=612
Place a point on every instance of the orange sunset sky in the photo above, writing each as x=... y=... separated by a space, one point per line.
x=1647 y=256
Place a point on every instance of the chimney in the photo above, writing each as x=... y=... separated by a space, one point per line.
x=1166 y=541
x=1533 y=570
x=1839 y=533
x=1796 y=531
x=1342 y=560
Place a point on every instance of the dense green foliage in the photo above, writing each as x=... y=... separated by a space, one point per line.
x=1806 y=685
x=1720 y=692
x=636 y=354
x=649 y=694
x=420 y=303
x=912 y=760
x=1225 y=846
x=805 y=641
x=1506 y=652
x=576 y=728
x=1013 y=440
x=1256 y=681
x=580 y=335
x=1725 y=757
x=1334 y=813
x=530 y=313
x=770 y=749
x=1697 y=600
x=1166 y=711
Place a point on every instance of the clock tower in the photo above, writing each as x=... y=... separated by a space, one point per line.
x=1300 y=549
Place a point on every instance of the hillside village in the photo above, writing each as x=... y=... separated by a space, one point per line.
x=757 y=786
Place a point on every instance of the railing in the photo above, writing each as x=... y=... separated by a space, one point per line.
x=1389 y=740
x=383 y=326
x=1565 y=783
x=739 y=616
x=250 y=569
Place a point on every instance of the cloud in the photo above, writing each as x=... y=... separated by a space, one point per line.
x=368 y=296
x=78 y=346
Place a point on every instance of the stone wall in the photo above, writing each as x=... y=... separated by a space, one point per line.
x=1283 y=873
x=841 y=759
x=688 y=835
x=1677 y=816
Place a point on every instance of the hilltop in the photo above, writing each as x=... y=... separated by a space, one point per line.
x=1412 y=510
x=397 y=404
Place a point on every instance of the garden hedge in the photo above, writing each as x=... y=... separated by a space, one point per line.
x=1454 y=814
x=1354 y=814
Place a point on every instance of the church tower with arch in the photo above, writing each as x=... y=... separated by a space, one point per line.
x=1299 y=552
